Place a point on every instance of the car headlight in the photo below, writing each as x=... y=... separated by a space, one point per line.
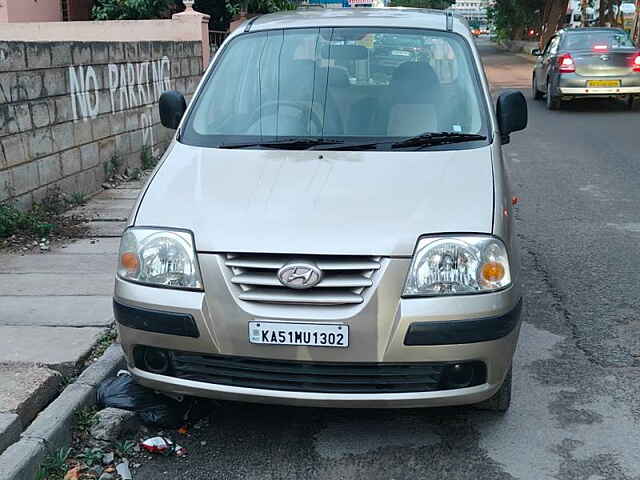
x=159 y=257
x=458 y=265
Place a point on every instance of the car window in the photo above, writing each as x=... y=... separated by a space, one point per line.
x=548 y=47
x=553 y=45
x=338 y=82
x=589 y=40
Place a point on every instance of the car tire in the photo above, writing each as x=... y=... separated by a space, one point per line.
x=628 y=103
x=553 y=102
x=537 y=94
x=501 y=400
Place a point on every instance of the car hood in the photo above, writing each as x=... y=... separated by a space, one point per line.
x=312 y=202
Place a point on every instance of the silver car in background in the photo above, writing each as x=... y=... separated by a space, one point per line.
x=587 y=62
x=326 y=232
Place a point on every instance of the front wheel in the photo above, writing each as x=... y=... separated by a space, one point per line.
x=501 y=400
x=537 y=94
x=553 y=102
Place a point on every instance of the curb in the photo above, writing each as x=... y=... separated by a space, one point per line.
x=525 y=56
x=51 y=429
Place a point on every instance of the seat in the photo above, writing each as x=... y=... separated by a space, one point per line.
x=414 y=97
x=338 y=99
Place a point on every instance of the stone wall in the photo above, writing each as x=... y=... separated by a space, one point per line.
x=72 y=112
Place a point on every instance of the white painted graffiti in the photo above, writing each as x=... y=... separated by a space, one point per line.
x=130 y=85
x=80 y=86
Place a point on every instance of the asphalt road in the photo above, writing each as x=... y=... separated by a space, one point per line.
x=576 y=406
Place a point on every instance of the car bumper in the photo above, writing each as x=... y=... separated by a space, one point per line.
x=385 y=330
x=599 y=91
x=462 y=396
x=574 y=85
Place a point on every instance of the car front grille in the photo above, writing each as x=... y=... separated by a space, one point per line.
x=312 y=376
x=344 y=282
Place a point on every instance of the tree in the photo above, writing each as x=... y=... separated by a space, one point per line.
x=221 y=12
x=557 y=12
x=635 y=31
x=512 y=19
x=131 y=9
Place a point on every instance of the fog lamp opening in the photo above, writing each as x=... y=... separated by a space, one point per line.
x=156 y=361
x=459 y=375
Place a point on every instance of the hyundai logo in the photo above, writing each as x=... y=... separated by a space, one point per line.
x=299 y=275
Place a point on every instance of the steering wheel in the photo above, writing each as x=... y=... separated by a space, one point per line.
x=272 y=107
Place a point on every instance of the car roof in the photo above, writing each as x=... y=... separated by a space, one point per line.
x=591 y=29
x=359 y=17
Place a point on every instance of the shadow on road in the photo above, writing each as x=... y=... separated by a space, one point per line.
x=264 y=441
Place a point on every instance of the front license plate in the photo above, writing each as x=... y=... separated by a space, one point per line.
x=305 y=334
x=603 y=83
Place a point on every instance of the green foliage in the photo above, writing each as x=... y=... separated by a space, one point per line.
x=125 y=448
x=56 y=463
x=512 y=18
x=437 y=4
x=112 y=167
x=41 y=474
x=146 y=158
x=105 y=341
x=85 y=418
x=131 y=9
x=13 y=220
x=135 y=174
x=37 y=221
x=269 y=6
x=78 y=198
x=91 y=456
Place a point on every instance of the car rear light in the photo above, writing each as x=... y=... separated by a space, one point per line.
x=566 y=64
x=600 y=48
x=636 y=63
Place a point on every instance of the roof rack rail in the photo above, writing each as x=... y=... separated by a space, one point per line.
x=250 y=23
x=449 y=14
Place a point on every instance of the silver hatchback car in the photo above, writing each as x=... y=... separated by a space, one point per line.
x=325 y=230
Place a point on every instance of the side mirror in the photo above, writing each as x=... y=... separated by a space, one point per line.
x=536 y=52
x=172 y=107
x=511 y=111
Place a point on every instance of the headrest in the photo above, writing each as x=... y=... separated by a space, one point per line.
x=415 y=82
x=344 y=52
x=338 y=77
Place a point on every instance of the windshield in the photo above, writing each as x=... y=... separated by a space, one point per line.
x=341 y=83
x=589 y=40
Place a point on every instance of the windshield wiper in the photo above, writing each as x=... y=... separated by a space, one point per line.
x=304 y=143
x=293 y=143
x=422 y=140
x=437 y=138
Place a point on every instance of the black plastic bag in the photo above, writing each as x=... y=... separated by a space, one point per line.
x=123 y=392
x=152 y=408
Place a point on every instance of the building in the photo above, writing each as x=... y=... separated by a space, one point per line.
x=44 y=10
x=472 y=10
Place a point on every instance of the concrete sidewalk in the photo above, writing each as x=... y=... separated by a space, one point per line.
x=54 y=307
